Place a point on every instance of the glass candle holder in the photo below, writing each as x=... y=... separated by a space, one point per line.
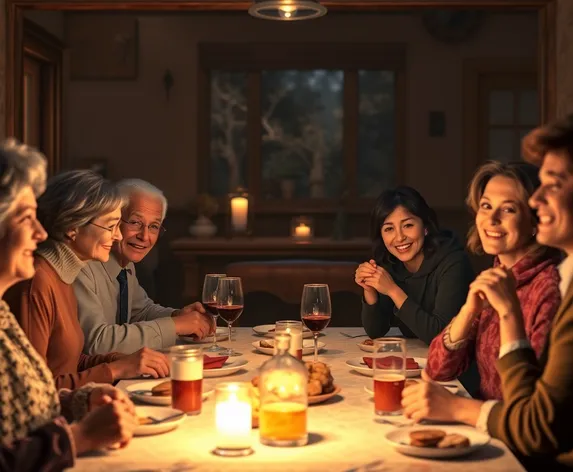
x=233 y=419
x=186 y=378
x=240 y=211
x=294 y=328
x=302 y=229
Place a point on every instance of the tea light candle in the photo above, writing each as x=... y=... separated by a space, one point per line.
x=239 y=213
x=233 y=419
x=302 y=231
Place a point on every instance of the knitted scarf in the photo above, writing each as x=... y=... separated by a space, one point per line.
x=28 y=396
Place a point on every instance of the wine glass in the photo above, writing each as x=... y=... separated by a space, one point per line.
x=209 y=299
x=230 y=303
x=315 y=310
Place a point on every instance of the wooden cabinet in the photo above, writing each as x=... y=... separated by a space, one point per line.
x=204 y=256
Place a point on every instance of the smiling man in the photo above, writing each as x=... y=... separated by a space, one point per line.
x=114 y=310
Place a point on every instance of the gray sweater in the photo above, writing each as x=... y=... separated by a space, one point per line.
x=97 y=291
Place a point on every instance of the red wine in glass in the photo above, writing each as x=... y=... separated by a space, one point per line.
x=209 y=299
x=316 y=323
x=315 y=310
x=229 y=313
x=211 y=308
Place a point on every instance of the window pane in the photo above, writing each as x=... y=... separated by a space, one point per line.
x=501 y=145
x=501 y=107
x=376 y=134
x=301 y=117
x=528 y=108
x=228 y=166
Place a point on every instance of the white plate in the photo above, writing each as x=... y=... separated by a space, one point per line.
x=307 y=347
x=231 y=366
x=222 y=335
x=452 y=389
x=400 y=439
x=158 y=413
x=360 y=366
x=263 y=330
x=144 y=392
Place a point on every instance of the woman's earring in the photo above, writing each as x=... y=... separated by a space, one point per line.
x=534 y=232
x=425 y=232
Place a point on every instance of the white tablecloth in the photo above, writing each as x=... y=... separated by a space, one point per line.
x=344 y=435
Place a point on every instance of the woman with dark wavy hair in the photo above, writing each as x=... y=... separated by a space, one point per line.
x=419 y=276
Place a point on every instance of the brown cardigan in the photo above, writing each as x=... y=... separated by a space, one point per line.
x=536 y=417
x=46 y=308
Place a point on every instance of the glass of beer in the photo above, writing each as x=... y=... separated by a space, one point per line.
x=389 y=374
x=186 y=378
x=294 y=328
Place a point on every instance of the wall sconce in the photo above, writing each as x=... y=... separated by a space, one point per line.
x=302 y=229
x=168 y=82
x=240 y=213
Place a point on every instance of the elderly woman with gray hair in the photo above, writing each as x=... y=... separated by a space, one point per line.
x=34 y=429
x=81 y=212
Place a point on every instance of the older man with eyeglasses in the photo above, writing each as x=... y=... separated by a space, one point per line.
x=115 y=312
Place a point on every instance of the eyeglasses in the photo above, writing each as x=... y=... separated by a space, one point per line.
x=136 y=225
x=111 y=230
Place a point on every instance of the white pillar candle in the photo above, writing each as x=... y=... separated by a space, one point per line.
x=239 y=213
x=233 y=422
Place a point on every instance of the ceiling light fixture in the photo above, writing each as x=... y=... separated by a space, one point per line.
x=287 y=10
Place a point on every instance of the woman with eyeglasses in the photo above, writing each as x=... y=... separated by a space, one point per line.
x=81 y=212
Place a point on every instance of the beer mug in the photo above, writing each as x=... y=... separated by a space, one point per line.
x=294 y=328
x=186 y=378
x=389 y=374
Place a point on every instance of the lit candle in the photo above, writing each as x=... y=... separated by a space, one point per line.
x=233 y=419
x=239 y=212
x=302 y=231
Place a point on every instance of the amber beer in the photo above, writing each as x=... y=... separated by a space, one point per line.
x=389 y=377
x=283 y=423
x=187 y=379
x=388 y=393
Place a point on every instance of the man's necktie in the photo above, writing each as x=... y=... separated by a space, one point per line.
x=123 y=298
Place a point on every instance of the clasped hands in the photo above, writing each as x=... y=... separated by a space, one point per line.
x=373 y=278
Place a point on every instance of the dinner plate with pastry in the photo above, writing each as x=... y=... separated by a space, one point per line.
x=268 y=330
x=155 y=392
x=363 y=365
x=157 y=420
x=436 y=442
x=267 y=346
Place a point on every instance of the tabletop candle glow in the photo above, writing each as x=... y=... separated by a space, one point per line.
x=233 y=419
x=302 y=231
x=239 y=213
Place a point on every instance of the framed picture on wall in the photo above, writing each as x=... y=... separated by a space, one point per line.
x=102 y=46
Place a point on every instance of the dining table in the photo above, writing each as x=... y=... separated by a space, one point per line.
x=344 y=432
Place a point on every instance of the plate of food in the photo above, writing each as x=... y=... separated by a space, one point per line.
x=157 y=420
x=453 y=389
x=222 y=335
x=436 y=442
x=367 y=345
x=231 y=366
x=267 y=346
x=155 y=392
x=269 y=331
x=363 y=365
